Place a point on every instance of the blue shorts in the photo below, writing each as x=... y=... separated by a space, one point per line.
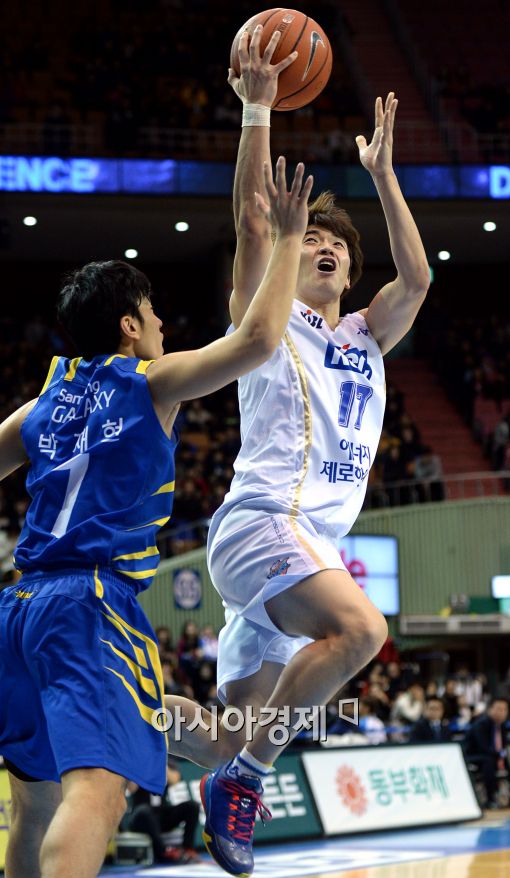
x=80 y=678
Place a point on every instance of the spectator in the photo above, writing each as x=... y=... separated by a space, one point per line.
x=485 y=745
x=408 y=706
x=171 y=685
x=369 y=723
x=155 y=815
x=208 y=642
x=189 y=653
x=430 y=728
x=450 y=699
x=394 y=675
x=165 y=644
x=428 y=473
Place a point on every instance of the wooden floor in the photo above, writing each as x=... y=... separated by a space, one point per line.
x=478 y=849
x=492 y=864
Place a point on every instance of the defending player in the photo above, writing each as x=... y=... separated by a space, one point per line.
x=79 y=670
x=298 y=626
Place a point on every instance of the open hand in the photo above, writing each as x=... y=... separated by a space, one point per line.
x=376 y=157
x=258 y=82
x=286 y=211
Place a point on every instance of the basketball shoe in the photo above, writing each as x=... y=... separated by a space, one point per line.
x=231 y=802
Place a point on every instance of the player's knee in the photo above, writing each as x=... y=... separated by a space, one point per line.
x=366 y=632
x=373 y=631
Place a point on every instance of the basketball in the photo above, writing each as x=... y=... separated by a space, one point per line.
x=306 y=77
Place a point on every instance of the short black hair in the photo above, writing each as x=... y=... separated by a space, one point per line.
x=92 y=301
x=326 y=213
x=499 y=698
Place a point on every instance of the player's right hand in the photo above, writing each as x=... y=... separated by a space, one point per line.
x=286 y=211
x=258 y=82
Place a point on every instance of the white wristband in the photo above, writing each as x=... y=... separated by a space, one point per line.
x=256 y=114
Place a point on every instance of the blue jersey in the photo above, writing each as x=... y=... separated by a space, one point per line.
x=101 y=472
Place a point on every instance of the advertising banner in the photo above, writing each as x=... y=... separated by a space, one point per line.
x=390 y=787
x=286 y=795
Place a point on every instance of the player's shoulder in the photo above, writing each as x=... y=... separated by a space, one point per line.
x=122 y=363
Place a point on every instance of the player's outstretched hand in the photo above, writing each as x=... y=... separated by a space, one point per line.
x=258 y=82
x=287 y=211
x=377 y=156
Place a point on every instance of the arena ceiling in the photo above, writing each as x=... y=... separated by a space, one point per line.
x=78 y=229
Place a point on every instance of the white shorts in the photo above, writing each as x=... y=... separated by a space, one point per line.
x=252 y=556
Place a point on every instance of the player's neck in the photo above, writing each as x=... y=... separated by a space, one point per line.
x=330 y=311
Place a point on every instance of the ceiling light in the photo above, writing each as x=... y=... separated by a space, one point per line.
x=181 y=226
x=130 y=253
x=29 y=221
x=443 y=255
x=489 y=226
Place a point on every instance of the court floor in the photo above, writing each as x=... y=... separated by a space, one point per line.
x=470 y=850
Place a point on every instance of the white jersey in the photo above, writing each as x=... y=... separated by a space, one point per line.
x=311 y=418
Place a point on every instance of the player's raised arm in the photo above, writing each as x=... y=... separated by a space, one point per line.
x=393 y=310
x=12 y=451
x=256 y=87
x=186 y=375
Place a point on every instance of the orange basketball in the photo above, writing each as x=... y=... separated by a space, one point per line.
x=308 y=74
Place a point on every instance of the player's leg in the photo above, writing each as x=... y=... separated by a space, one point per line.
x=195 y=734
x=93 y=802
x=33 y=806
x=347 y=630
x=210 y=742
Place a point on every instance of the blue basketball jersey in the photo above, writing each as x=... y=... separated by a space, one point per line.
x=101 y=472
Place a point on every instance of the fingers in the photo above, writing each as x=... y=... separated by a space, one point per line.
x=282 y=65
x=307 y=188
x=271 y=46
x=388 y=116
x=233 y=78
x=255 y=43
x=281 y=181
x=244 y=57
x=268 y=180
x=298 y=179
x=379 y=114
x=361 y=142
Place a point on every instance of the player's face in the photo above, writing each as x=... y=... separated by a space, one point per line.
x=150 y=345
x=324 y=266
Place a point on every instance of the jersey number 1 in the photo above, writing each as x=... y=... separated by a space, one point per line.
x=77 y=467
x=349 y=391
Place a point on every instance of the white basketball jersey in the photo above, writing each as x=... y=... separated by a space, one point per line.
x=311 y=418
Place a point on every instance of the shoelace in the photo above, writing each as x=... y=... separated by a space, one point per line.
x=243 y=808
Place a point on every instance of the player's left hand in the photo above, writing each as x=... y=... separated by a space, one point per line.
x=376 y=156
x=258 y=82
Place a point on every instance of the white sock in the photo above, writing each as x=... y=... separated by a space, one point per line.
x=245 y=763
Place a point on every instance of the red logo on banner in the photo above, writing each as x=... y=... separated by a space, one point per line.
x=351 y=790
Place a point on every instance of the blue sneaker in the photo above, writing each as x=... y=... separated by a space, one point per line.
x=230 y=805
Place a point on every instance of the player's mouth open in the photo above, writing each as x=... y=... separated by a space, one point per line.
x=326 y=265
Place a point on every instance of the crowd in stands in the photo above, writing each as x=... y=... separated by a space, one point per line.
x=209 y=439
x=133 y=69
x=472 y=358
x=395 y=703
x=131 y=65
x=402 y=457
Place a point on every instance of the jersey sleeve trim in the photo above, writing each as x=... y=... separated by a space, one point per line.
x=51 y=371
x=143 y=365
x=73 y=365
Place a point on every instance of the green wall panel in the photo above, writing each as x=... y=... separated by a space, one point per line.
x=444 y=548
